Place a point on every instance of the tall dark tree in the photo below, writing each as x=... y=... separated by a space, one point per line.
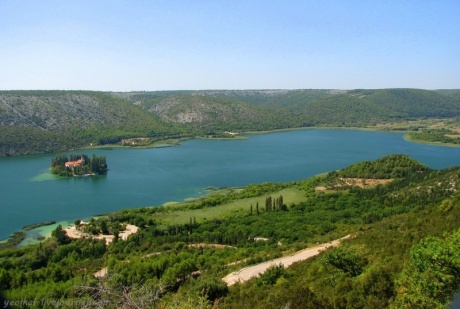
x=60 y=235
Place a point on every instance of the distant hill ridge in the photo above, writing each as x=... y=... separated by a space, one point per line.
x=43 y=121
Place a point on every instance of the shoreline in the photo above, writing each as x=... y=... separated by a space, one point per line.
x=410 y=140
x=43 y=231
x=176 y=203
x=173 y=142
x=159 y=144
x=238 y=136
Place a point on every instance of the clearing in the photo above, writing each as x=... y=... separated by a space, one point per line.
x=290 y=195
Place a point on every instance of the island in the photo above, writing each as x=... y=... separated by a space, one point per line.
x=78 y=165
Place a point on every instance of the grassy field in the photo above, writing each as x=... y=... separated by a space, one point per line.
x=290 y=195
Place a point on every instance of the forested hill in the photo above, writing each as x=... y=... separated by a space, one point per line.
x=45 y=121
x=271 y=109
x=207 y=114
x=404 y=250
x=388 y=167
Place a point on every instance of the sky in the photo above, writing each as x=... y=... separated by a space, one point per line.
x=110 y=45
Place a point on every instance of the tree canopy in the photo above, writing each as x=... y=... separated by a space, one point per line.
x=404 y=249
x=78 y=165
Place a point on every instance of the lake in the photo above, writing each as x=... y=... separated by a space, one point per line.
x=151 y=177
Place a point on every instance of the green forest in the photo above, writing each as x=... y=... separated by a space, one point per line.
x=52 y=121
x=442 y=136
x=403 y=251
x=78 y=165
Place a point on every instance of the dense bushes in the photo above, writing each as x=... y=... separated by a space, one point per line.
x=388 y=167
x=436 y=136
x=183 y=263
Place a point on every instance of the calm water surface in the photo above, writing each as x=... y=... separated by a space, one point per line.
x=147 y=177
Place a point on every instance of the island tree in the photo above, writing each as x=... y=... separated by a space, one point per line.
x=78 y=165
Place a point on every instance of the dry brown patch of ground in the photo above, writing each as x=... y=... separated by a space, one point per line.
x=135 y=141
x=356 y=182
x=216 y=246
x=364 y=183
x=73 y=232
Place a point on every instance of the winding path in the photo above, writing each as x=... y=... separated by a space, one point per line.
x=247 y=273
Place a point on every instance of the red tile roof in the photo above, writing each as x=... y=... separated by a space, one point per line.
x=72 y=164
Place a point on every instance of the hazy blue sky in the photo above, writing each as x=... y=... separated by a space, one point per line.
x=235 y=44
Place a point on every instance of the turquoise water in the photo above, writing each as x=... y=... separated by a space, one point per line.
x=151 y=177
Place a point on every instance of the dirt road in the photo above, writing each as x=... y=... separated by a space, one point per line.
x=247 y=273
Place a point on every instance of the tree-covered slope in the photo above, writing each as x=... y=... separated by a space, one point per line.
x=207 y=114
x=451 y=93
x=276 y=99
x=40 y=121
x=413 y=103
x=264 y=109
x=388 y=167
x=369 y=107
x=403 y=253
x=18 y=140
x=405 y=261
x=57 y=120
x=341 y=111
x=58 y=110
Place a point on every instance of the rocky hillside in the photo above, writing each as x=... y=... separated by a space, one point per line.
x=313 y=107
x=56 y=110
x=207 y=114
x=42 y=121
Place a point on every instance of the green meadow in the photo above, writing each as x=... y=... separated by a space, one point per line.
x=290 y=196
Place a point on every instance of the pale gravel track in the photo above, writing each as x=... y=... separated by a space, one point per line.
x=249 y=272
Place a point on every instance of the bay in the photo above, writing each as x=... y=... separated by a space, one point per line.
x=151 y=177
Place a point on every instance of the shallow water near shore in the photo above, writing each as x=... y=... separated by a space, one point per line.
x=151 y=177
x=34 y=235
